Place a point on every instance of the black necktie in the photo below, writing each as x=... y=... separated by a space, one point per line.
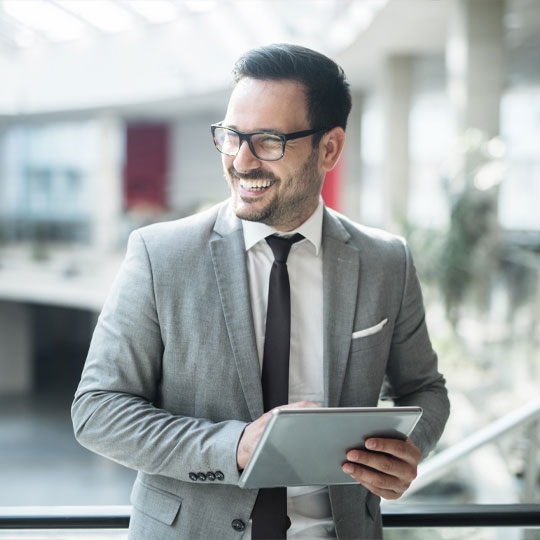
x=269 y=516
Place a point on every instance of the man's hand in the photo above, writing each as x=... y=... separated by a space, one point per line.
x=392 y=466
x=252 y=433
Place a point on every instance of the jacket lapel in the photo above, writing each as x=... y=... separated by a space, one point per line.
x=341 y=268
x=228 y=256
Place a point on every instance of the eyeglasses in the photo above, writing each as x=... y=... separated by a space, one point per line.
x=267 y=146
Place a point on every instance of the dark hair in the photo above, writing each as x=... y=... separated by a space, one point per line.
x=327 y=90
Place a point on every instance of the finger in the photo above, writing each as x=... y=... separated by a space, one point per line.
x=404 y=450
x=384 y=463
x=387 y=486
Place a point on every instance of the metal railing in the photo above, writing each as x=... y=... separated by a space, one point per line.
x=399 y=516
x=527 y=417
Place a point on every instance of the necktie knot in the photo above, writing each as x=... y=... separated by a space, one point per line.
x=281 y=246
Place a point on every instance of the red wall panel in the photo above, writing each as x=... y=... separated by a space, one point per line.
x=332 y=187
x=146 y=166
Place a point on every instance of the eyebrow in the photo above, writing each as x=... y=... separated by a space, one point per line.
x=260 y=130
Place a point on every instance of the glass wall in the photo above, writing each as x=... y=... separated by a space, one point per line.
x=48 y=171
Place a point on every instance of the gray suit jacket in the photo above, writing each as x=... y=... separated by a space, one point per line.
x=172 y=374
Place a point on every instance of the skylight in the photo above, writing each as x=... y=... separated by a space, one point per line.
x=45 y=19
x=67 y=20
x=155 y=11
x=107 y=16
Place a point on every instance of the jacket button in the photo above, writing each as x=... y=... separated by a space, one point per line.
x=193 y=476
x=201 y=476
x=210 y=476
x=220 y=476
x=238 y=525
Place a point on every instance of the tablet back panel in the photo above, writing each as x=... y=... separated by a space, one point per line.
x=308 y=446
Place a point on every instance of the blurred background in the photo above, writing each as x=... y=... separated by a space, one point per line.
x=105 y=108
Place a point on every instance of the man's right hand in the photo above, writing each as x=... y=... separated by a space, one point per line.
x=252 y=433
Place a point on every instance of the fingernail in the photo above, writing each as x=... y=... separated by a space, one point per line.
x=348 y=468
x=371 y=444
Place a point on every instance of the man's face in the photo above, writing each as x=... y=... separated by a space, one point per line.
x=283 y=193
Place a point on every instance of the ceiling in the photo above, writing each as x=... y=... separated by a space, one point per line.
x=30 y=23
x=74 y=55
x=421 y=27
x=163 y=55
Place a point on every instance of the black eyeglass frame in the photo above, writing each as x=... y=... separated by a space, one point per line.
x=247 y=137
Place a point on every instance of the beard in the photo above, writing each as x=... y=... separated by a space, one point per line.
x=288 y=208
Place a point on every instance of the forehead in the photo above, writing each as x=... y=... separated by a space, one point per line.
x=261 y=104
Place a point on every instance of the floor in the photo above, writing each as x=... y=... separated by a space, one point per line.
x=41 y=464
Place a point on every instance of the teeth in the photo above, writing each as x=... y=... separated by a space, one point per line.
x=255 y=184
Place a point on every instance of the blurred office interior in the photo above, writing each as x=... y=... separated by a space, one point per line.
x=105 y=108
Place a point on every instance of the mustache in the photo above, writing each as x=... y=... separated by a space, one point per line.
x=255 y=174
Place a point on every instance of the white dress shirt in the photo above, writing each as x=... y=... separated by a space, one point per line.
x=307 y=507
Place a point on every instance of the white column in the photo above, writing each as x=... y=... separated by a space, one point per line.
x=476 y=75
x=107 y=223
x=397 y=90
x=16 y=368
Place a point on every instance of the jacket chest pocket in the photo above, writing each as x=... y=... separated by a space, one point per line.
x=371 y=336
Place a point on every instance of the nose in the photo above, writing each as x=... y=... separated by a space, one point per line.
x=245 y=160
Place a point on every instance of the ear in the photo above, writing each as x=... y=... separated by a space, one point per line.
x=330 y=148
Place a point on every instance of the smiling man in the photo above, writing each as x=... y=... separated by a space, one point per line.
x=177 y=384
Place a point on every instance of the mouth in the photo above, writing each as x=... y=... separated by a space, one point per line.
x=254 y=186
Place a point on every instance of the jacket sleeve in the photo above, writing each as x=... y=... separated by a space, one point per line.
x=115 y=411
x=412 y=371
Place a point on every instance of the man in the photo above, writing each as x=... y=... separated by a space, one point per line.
x=172 y=384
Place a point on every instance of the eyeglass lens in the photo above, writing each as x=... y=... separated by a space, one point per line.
x=264 y=145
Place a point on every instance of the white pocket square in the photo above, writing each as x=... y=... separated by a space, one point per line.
x=370 y=330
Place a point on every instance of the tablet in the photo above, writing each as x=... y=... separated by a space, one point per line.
x=300 y=447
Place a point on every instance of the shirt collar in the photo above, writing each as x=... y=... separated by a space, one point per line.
x=311 y=229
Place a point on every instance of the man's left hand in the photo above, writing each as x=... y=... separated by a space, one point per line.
x=392 y=466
